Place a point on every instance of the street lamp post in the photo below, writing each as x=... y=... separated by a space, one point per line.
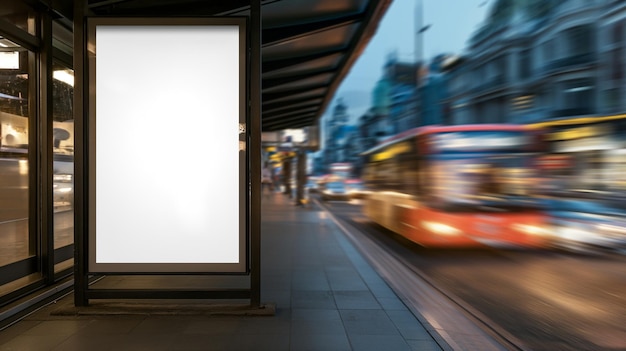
x=420 y=30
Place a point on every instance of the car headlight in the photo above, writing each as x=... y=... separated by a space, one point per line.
x=531 y=229
x=440 y=228
x=612 y=229
x=574 y=231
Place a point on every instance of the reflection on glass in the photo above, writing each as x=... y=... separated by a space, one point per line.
x=19 y=14
x=14 y=118
x=63 y=150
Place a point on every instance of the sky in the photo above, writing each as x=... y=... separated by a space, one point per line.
x=451 y=24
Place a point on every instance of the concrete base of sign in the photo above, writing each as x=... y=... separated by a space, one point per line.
x=193 y=308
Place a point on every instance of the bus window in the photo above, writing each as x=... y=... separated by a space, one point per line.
x=501 y=182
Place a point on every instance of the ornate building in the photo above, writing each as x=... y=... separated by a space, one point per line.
x=538 y=60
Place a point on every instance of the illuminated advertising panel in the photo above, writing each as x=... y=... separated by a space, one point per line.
x=166 y=146
x=9 y=60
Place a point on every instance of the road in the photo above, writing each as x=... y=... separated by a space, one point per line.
x=537 y=300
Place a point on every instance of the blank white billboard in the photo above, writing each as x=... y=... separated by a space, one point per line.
x=168 y=167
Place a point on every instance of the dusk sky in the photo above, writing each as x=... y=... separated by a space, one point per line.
x=451 y=24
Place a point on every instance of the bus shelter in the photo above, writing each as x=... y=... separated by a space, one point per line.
x=128 y=94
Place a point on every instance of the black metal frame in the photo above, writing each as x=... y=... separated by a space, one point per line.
x=41 y=264
x=83 y=184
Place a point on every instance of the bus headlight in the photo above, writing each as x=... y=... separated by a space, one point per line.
x=440 y=228
x=530 y=229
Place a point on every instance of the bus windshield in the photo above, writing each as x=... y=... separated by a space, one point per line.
x=485 y=182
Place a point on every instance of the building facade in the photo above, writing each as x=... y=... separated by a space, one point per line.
x=534 y=61
x=530 y=61
x=402 y=94
x=338 y=136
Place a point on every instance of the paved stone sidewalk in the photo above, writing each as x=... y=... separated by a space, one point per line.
x=325 y=297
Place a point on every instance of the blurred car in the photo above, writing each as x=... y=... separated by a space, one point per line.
x=357 y=189
x=586 y=225
x=335 y=190
x=312 y=185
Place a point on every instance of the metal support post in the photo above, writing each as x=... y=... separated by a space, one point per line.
x=80 y=157
x=301 y=178
x=255 y=157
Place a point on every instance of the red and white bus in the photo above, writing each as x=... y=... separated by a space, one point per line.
x=458 y=186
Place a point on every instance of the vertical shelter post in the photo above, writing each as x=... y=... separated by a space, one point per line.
x=255 y=152
x=44 y=142
x=80 y=157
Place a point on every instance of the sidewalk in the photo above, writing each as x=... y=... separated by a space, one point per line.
x=326 y=297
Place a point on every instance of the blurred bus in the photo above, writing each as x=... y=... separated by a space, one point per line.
x=586 y=169
x=458 y=186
